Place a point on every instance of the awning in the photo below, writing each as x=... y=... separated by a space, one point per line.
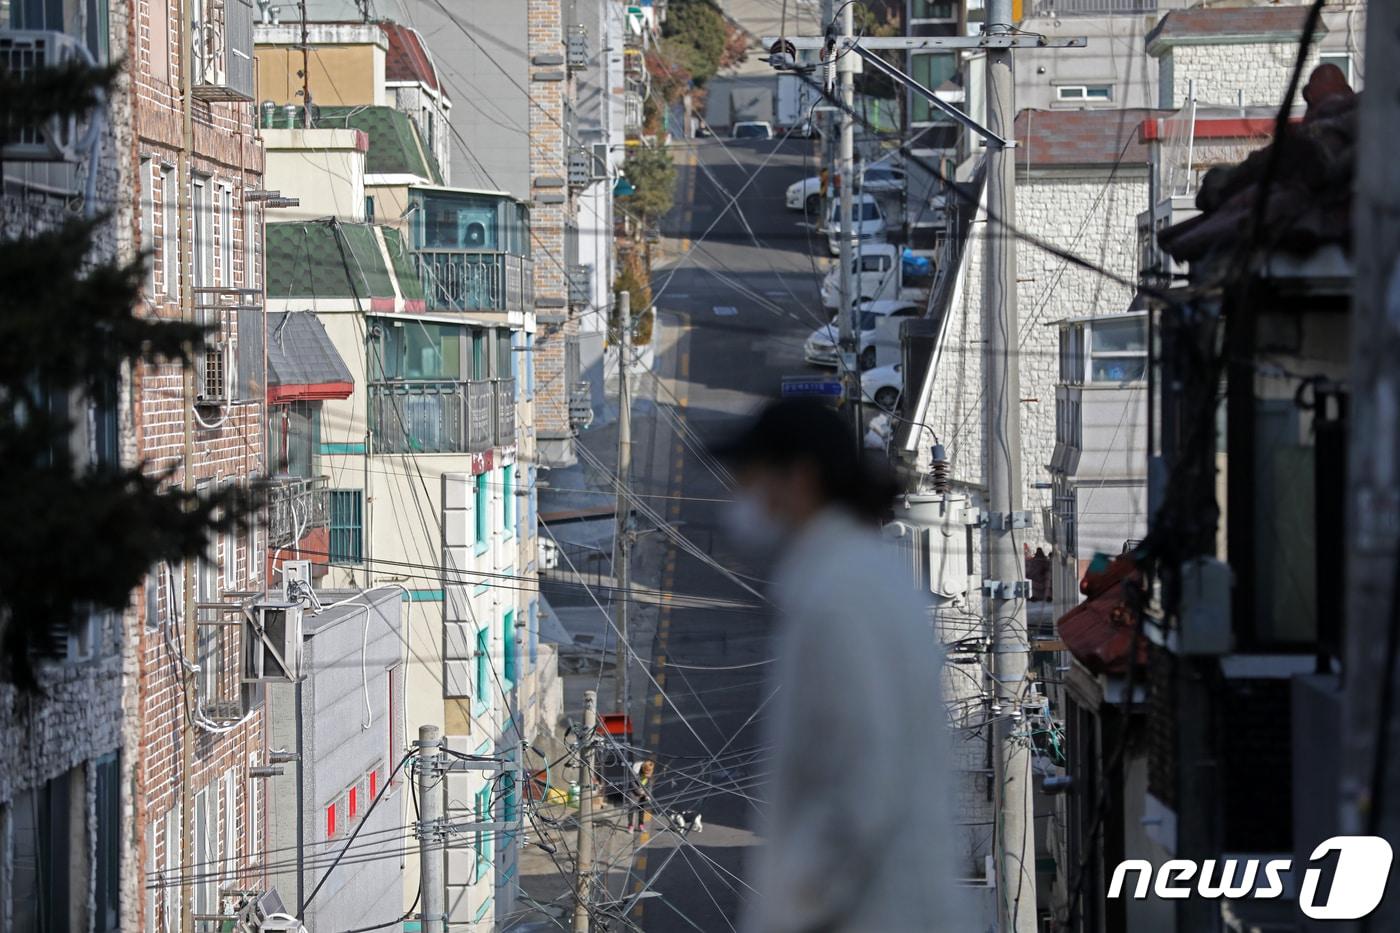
x=302 y=363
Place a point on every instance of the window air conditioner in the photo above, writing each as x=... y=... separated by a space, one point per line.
x=272 y=642
x=22 y=52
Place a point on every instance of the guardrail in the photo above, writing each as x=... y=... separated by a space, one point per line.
x=295 y=505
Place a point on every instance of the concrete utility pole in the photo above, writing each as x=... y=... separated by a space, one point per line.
x=430 y=848
x=583 y=863
x=621 y=541
x=846 y=329
x=1015 y=842
x=1370 y=784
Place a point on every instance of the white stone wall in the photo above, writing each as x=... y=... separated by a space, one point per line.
x=1083 y=212
x=1260 y=69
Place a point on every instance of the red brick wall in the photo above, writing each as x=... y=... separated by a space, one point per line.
x=227 y=150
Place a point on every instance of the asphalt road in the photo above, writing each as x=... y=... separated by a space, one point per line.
x=742 y=296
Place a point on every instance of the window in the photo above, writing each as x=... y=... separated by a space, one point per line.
x=931 y=9
x=169 y=233
x=531 y=502
x=352 y=803
x=483 y=661
x=397 y=743
x=508 y=499
x=478 y=355
x=369 y=209
x=252 y=245
x=226 y=236
x=509 y=809
x=230 y=559
x=483 y=507
x=347 y=530
x=1084 y=93
x=529 y=366
x=454 y=221
x=930 y=69
x=254 y=809
x=40 y=850
x=206 y=834
x=874 y=263
x=211 y=644
x=330 y=820
x=534 y=631
x=1118 y=350
x=230 y=836
x=510 y=663
x=173 y=839
x=203 y=248
x=148 y=225
x=1341 y=59
x=485 y=850
x=294 y=441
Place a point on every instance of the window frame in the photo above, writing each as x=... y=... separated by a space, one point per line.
x=1084 y=96
x=346 y=536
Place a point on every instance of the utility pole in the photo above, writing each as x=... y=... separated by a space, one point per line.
x=305 y=69
x=430 y=847
x=583 y=864
x=189 y=479
x=1370 y=784
x=846 y=329
x=1015 y=840
x=621 y=541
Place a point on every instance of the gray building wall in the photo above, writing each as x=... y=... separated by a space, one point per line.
x=487 y=87
x=348 y=651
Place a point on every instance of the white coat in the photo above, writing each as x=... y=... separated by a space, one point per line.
x=858 y=834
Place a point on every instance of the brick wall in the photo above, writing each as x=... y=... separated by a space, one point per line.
x=547 y=158
x=230 y=449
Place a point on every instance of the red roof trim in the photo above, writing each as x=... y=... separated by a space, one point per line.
x=1219 y=127
x=320 y=391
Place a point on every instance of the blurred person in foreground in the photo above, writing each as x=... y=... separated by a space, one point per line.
x=858 y=828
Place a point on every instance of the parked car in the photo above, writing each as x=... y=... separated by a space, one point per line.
x=867 y=218
x=883 y=275
x=882 y=179
x=877 y=320
x=805 y=195
x=883 y=385
x=752 y=129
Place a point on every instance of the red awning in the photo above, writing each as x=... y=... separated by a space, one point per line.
x=309 y=392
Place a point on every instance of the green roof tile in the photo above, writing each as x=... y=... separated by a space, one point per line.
x=395 y=148
x=309 y=260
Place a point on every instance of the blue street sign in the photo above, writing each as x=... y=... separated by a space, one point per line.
x=798 y=386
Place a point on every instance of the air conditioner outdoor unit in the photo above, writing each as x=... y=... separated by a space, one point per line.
x=22 y=52
x=272 y=642
x=211 y=381
x=294 y=573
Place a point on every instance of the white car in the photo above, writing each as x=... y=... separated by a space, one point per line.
x=883 y=385
x=882 y=179
x=867 y=219
x=751 y=129
x=805 y=195
x=875 y=317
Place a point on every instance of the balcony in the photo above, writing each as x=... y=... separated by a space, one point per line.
x=505 y=412
x=455 y=280
x=632 y=114
x=295 y=506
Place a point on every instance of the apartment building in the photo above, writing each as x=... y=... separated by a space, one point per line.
x=65 y=823
x=198 y=805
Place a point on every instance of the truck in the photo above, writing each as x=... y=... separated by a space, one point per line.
x=750 y=102
x=794 y=104
x=881 y=277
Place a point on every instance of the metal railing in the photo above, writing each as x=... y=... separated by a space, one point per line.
x=222 y=697
x=505 y=412
x=481 y=406
x=443 y=416
x=417 y=417
x=1093 y=7
x=295 y=506
x=463 y=281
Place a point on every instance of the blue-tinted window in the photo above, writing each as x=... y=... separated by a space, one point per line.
x=346 y=526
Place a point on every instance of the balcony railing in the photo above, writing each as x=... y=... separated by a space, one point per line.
x=221 y=695
x=442 y=417
x=505 y=412
x=461 y=281
x=1093 y=7
x=480 y=415
x=295 y=506
x=632 y=116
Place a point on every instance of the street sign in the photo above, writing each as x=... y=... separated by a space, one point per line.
x=810 y=386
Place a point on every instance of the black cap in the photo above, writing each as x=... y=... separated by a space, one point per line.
x=811 y=431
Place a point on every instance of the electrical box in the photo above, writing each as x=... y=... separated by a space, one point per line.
x=1205 y=607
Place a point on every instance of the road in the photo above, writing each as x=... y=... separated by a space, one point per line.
x=741 y=297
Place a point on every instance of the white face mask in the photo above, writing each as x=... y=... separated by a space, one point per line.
x=749 y=524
